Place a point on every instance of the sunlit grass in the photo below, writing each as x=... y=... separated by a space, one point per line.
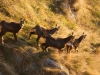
x=17 y=58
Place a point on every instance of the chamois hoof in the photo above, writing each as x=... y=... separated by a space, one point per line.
x=38 y=45
x=77 y=50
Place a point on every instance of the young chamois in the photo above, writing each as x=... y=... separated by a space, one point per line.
x=58 y=43
x=10 y=27
x=39 y=31
x=75 y=43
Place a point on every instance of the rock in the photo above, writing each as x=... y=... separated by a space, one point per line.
x=51 y=63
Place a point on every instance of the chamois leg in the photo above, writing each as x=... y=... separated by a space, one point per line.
x=67 y=49
x=1 y=37
x=30 y=35
x=1 y=40
x=60 y=51
x=43 y=47
x=70 y=49
x=37 y=40
x=76 y=50
x=15 y=36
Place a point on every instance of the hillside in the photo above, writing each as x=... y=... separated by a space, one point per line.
x=25 y=58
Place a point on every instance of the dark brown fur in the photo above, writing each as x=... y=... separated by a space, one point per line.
x=39 y=31
x=10 y=27
x=76 y=43
x=58 y=43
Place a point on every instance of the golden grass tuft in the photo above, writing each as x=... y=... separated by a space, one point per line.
x=83 y=14
x=85 y=62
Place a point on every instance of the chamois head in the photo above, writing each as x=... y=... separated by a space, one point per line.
x=22 y=22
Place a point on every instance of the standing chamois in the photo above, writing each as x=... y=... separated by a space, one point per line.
x=58 y=43
x=39 y=31
x=10 y=27
x=75 y=43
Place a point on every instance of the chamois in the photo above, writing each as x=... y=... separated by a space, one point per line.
x=10 y=27
x=58 y=43
x=38 y=30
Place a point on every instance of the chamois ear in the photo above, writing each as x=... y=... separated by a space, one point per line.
x=72 y=33
x=56 y=25
x=20 y=19
x=83 y=33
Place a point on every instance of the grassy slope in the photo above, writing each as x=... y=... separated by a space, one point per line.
x=39 y=12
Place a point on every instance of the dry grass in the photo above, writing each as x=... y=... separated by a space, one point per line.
x=80 y=63
x=18 y=58
x=83 y=14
